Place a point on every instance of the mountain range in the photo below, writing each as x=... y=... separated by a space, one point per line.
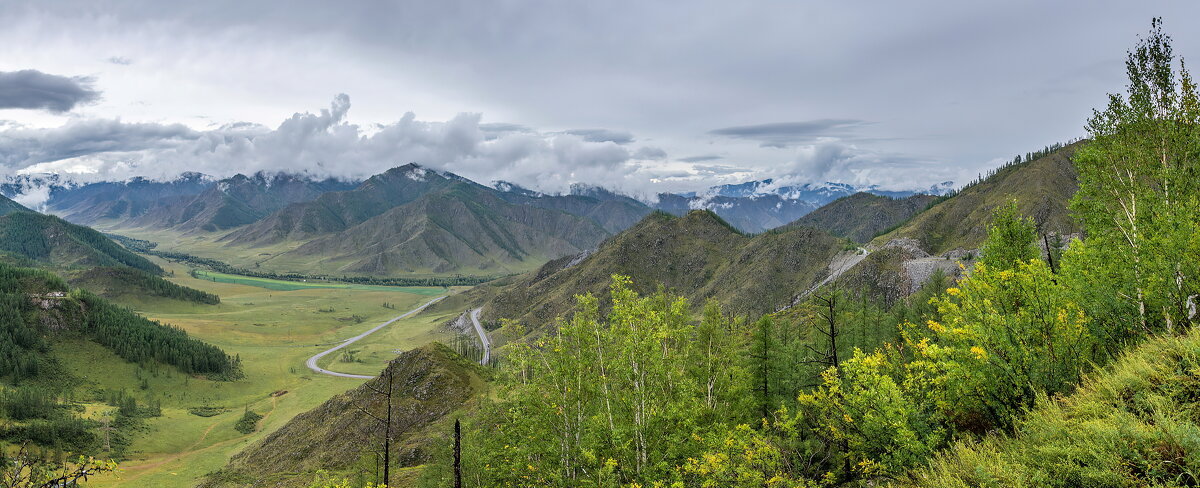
x=409 y=219
x=198 y=202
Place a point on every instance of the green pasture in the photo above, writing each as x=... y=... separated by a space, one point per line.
x=273 y=332
x=283 y=285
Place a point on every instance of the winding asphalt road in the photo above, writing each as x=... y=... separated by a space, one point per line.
x=483 y=337
x=312 y=362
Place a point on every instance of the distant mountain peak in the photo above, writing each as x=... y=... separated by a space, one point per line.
x=510 y=187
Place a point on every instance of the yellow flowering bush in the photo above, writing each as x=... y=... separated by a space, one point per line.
x=1005 y=336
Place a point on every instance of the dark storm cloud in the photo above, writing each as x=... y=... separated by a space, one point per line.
x=783 y=134
x=602 y=135
x=32 y=89
x=24 y=147
x=700 y=159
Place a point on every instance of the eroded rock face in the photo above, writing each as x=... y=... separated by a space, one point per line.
x=57 y=311
x=910 y=246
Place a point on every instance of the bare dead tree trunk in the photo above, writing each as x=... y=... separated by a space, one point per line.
x=386 y=420
x=457 y=455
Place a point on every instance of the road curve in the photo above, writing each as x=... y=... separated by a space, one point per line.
x=312 y=362
x=483 y=337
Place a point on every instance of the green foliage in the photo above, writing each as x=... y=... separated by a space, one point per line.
x=1006 y=336
x=207 y=411
x=28 y=468
x=741 y=457
x=1010 y=239
x=29 y=402
x=1132 y=424
x=23 y=344
x=987 y=351
x=1139 y=198
x=324 y=479
x=65 y=433
x=765 y=359
x=629 y=398
x=248 y=423
x=865 y=419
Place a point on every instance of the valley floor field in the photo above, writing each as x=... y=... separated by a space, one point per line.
x=273 y=332
x=282 y=285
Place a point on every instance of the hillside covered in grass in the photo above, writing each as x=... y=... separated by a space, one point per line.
x=1134 y=423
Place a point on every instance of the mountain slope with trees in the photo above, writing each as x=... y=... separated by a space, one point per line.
x=699 y=256
x=862 y=216
x=8 y=206
x=985 y=383
x=1042 y=185
x=52 y=241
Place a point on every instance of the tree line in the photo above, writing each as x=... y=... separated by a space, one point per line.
x=155 y=286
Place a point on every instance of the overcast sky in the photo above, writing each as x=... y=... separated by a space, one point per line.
x=639 y=96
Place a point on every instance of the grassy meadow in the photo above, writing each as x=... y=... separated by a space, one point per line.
x=273 y=332
x=283 y=285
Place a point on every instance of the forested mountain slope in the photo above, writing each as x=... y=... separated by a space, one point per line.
x=862 y=216
x=1042 y=187
x=8 y=206
x=39 y=307
x=412 y=219
x=52 y=241
x=698 y=256
x=338 y=211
